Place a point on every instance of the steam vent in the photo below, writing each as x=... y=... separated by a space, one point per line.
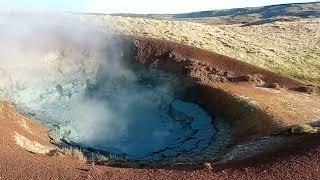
x=119 y=108
x=94 y=94
x=132 y=114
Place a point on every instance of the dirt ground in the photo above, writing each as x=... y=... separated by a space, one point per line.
x=297 y=160
x=26 y=153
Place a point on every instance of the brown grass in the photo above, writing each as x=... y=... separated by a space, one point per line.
x=288 y=48
x=70 y=152
x=303 y=129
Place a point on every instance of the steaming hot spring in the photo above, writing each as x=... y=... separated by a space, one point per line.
x=89 y=89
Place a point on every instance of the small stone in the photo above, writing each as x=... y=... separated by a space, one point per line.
x=257 y=79
x=310 y=89
x=224 y=79
x=247 y=78
x=136 y=43
x=171 y=56
x=208 y=165
x=214 y=77
x=227 y=74
x=241 y=78
x=274 y=86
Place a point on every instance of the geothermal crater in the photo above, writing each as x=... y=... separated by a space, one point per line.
x=143 y=100
x=134 y=116
x=94 y=95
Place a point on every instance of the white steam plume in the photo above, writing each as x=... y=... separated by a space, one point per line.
x=72 y=76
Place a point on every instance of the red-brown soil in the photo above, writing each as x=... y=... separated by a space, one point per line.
x=268 y=110
x=150 y=49
x=298 y=159
x=229 y=86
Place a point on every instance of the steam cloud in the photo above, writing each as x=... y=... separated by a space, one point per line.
x=47 y=64
x=72 y=76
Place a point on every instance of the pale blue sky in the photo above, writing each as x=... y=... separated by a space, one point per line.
x=132 y=6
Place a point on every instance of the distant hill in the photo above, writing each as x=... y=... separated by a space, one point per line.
x=245 y=16
x=156 y=16
x=293 y=9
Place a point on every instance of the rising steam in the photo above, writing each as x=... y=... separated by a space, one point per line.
x=75 y=79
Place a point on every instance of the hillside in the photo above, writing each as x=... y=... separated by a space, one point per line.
x=246 y=16
x=288 y=48
x=294 y=9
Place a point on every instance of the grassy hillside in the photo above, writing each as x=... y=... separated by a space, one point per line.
x=254 y=15
x=245 y=16
x=288 y=48
x=293 y=9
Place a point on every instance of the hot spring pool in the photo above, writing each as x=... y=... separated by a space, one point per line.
x=134 y=114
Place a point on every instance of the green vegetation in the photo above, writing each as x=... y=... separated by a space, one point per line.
x=303 y=129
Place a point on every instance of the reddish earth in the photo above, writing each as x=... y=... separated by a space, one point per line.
x=149 y=50
x=229 y=86
x=298 y=159
x=226 y=86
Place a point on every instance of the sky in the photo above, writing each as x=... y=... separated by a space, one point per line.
x=132 y=6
